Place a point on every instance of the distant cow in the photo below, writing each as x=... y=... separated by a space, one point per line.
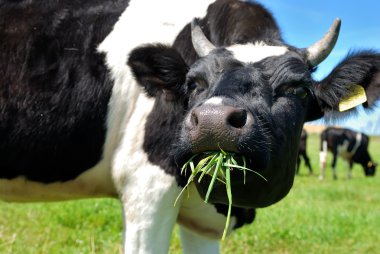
x=352 y=146
x=110 y=98
x=303 y=153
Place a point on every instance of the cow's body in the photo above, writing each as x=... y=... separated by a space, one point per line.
x=350 y=145
x=302 y=152
x=76 y=123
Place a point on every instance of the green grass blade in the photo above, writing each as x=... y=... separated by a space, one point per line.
x=223 y=152
x=257 y=173
x=244 y=168
x=234 y=161
x=221 y=180
x=211 y=185
x=184 y=188
x=229 y=195
x=209 y=166
x=202 y=162
x=217 y=164
x=221 y=171
x=244 y=161
x=206 y=171
x=192 y=166
x=228 y=186
x=187 y=163
x=235 y=166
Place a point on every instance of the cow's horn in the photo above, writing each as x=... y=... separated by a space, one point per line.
x=318 y=52
x=200 y=42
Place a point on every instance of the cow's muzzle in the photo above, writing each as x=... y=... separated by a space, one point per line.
x=213 y=127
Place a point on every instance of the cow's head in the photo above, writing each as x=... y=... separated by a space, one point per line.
x=251 y=99
x=370 y=169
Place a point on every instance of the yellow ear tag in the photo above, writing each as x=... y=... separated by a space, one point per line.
x=356 y=97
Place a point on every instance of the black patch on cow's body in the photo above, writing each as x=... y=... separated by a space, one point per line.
x=54 y=87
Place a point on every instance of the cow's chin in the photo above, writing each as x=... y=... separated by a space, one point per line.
x=249 y=189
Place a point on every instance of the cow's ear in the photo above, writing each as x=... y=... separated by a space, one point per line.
x=355 y=81
x=159 y=69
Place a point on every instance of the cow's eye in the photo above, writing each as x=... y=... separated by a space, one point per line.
x=192 y=86
x=301 y=92
x=198 y=85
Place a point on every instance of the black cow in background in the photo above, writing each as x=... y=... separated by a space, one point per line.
x=350 y=145
x=302 y=153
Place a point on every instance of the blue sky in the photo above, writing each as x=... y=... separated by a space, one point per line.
x=304 y=22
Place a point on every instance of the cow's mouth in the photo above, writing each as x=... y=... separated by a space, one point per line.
x=246 y=175
x=213 y=175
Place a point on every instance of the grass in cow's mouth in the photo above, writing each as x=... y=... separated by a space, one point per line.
x=218 y=165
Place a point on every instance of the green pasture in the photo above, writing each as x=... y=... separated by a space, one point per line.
x=341 y=216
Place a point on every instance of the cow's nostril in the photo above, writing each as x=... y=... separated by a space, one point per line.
x=238 y=118
x=194 y=119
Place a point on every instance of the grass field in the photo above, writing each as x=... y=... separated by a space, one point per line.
x=340 y=216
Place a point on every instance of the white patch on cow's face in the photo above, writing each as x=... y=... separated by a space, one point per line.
x=216 y=101
x=251 y=53
x=95 y=182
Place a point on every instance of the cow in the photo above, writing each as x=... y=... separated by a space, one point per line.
x=302 y=152
x=110 y=98
x=352 y=146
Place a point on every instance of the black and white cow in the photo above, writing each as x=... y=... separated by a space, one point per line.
x=352 y=146
x=84 y=113
x=302 y=152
